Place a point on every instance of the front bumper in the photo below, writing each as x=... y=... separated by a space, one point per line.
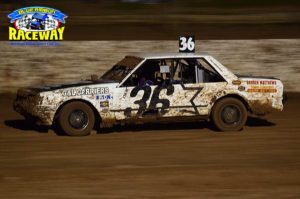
x=30 y=107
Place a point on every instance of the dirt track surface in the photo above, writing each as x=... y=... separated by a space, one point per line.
x=153 y=161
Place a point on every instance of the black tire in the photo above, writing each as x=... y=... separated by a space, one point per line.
x=229 y=114
x=76 y=119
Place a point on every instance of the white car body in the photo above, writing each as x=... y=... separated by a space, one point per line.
x=116 y=104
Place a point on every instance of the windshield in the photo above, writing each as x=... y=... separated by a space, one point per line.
x=119 y=71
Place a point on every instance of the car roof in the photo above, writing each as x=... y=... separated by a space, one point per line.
x=40 y=16
x=168 y=55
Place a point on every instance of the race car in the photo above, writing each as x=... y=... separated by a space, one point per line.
x=155 y=88
x=37 y=22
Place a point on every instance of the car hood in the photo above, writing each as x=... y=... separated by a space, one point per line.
x=51 y=87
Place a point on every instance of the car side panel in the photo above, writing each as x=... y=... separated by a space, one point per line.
x=175 y=100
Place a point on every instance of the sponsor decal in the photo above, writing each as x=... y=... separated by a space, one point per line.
x=236 y=82
x=241 y=88
x=262 y=89
x=104 y=104
x=261 y=86
x=86 y=91
x=36 y=23
x=261 y=82
x=104 y=97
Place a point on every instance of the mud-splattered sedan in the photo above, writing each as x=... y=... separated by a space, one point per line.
x=153 y=88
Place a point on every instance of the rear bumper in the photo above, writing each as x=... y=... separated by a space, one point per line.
x=284 y=99
x=266 y=105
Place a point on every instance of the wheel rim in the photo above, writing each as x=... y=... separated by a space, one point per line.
x=231 y=115
x=78 y=119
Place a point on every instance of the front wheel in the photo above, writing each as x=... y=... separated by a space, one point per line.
x=229 y=114
x=76 y=119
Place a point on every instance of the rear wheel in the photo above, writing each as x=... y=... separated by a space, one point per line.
x=76 y=119
x=229 y=114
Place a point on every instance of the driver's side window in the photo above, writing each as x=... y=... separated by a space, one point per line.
x=152 y=72
x=184 y=71
x=145 y=75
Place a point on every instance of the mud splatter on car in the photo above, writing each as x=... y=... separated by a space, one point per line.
x=154 y=88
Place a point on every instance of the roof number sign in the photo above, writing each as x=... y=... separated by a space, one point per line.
x=187 y=44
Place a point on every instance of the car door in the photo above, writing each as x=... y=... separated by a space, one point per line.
x=132 y=97
x=194 y=88
x=183 y=90
x=148 y=93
